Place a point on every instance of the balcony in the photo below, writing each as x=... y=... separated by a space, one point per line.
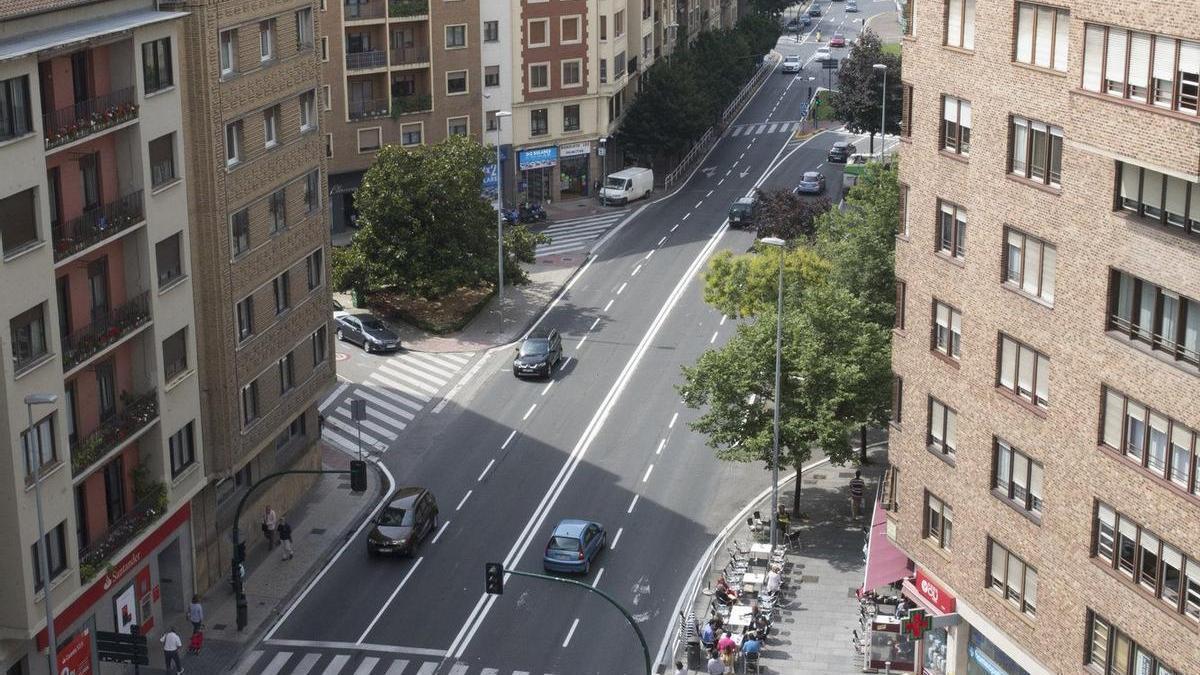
x=92 y=116
x=407 y=8
x=376 y=58
x=403 y=105
x=137 y=413
x=151 y=505
x=408 y=56
x=368 y=109
x=355 y=11
x=107 y=330
x=96 y=225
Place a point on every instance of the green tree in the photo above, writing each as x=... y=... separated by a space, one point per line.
x=745 y=285
x=858 y=98
x=663 y=120
x=426 y=227
x=787 y=215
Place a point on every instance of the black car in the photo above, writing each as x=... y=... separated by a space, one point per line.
x=538 y=354
x=743 y=211
x=815 y=10
x=367 y=332
x=409 y=517
x=841 y=151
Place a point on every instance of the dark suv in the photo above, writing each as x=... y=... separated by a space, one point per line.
x=743 y=211
x=841 y=151
x=538 y=354
x=408 y=519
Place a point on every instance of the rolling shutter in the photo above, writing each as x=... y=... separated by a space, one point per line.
x=1139 y=60
x=1114 y=69
x=1093 y=57
x=969 y=24
x=1025 y=18
x=954 y=23
x=1164 y=59
x=1062 y=40
x=1045 y=37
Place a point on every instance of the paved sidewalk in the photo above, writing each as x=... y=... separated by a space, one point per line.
x=887 y=26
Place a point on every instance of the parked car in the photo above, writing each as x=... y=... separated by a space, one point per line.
x=538 y=354
x=822 y=55
x=793 y=26
x=338 y=310
x=811 y=183
x=573 y=546
x=841 y=151
x=815 y=10
x=743 y=212
x=805 y=20
x=851 y=6
x=838 y=40
x=368 y=332
x=791 y=64
x=408 y=519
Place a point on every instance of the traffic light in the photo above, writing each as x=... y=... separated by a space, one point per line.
x=493 y=581
x=358 y=475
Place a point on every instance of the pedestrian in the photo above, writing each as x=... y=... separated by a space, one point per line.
x=857 y=487
x=714 y=667
x=269 y=522
x=708 y=636
x=751 y=645
x=195 y=613
x=679 y=669
x=285 y=538
x=171 y=644
x=774 y=579
x=784 y=520
x=728 y=647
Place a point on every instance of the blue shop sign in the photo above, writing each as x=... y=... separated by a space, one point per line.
x=537 y=158
x=985 y=658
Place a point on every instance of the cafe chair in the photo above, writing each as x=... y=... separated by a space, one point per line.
x=751 y=663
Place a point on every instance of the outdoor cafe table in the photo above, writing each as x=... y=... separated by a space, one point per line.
x=739 y=615
x=760 y=551
x=751 y=580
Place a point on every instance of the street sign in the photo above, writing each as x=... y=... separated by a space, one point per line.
x=831 y=64
x=122 y=648
x=358 y=409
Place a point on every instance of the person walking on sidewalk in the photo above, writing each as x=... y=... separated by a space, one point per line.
x=857 y=488
x=285 y=539
x=269 y=523
x=171 y=644
x=195 y=613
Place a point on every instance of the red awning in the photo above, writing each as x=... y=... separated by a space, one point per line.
x=885 y=563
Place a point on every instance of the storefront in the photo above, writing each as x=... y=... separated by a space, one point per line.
x=573 y=164
x=537 y=167
x=985 y=658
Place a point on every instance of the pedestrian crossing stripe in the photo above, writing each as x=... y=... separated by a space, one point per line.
x=575 y=234
x=288 y=662
x=754 y=129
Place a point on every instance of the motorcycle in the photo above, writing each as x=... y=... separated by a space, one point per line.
x=511 y=216
x=532 y=212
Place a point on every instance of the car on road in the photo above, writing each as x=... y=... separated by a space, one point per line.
x=791 y=64
x=815 y=10
x=811 y=183
x=368 y=332
x=793 y=26
x=822 y=55
x=743 y=211
x=573 y=545
x=538 y=354
x=338 y=310
x=851 y=6
x=841 y=151
x=805 y=21
x=838 y=40
x=411 y=515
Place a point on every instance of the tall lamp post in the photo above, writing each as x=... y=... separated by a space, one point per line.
x=500 y=114
x=883 y=113
x=781 y=245
x=33 y=443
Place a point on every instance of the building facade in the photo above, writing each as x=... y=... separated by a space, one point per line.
x=1047 y=344
x=98 y=312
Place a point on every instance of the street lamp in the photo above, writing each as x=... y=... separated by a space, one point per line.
x=33 y=442
x=500 y=224
x=781 y=244
x=883 y=113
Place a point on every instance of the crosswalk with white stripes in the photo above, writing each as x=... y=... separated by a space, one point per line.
x=296 y=662
x=576 y=234
x=764 y=128
x=399 y=388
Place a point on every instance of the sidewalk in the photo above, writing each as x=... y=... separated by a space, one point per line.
x=813 y=629
x=887 y=26
x=321 y=522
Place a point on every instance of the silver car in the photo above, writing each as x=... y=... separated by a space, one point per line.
x=791 y=64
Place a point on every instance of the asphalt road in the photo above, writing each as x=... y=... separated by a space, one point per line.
x=605 y=439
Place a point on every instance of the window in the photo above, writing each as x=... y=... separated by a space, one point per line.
x=539 y=122
x=456 y=36
x=312 y=191
x=603 y=71
x=233 y=143
x=456 y=82
x=304 y=28
x=1170 y=201
x=271 y=126
x=960 y=23
x=325 y=49
x=174 y=355
x=287 y=373
x=240 y=232
x=328 y=146
x=320 y=343
x=491 y=31
x=490 y=122
x=539 y=76
x=281 y=288
x=277 y=206
x=647 y=46
x=1012 y=578
x=1166 y=321
x=326 y=98
x=40 y=449
x=228 y=52
x=1148 y=69
x=28 y=331
x=314 y=265
x=1150 y=439
x=15 y=108
x=245 y=318
x=1036 y=151
x=156 y=65
x=902 y=221
x=618 y=23
x=162 y=160
x=569 y=30
x=956 y=125
x=410 y=134
x=266 y=39
x=906 y=103
x=1139 y=555
x=897 y=399
x=295 y=429
x=168 y=257
x=537 y=33
x=1115 y=653
x=571 y=117
x=572 y=73
x=1042 y=36
x=1029 y=265
x=942 y=436
x=952 y=230
x=249 y=403
x=901 y=290
x=907 y=22
x=946 y=337
x=1024 y=371
x=18 y=221
x=56 y=555
x=368 y=140
x=619 y=66
x=457 y=126
x=603 y=28
x=183 y=450
x=308 y=112
x=491 y=76
x=1016 y=478
x=939 y=522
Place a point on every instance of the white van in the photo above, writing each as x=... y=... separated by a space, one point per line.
x=627 y=185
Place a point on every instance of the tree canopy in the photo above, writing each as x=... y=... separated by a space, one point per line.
x=857 y=100
x=787 y=215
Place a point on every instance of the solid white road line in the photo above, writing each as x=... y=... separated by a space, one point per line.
x=596 y=581
x=571 y=632
x=671 y=424
x=647 y=475
x=504 y=445
x=352 y=646
x=622 y=287
x=529 y=412
x=610 y=302
x=387 y=602
x=463 y=501
x=632 y=504
x=661 y=444
x=617 y=538
x=440 y=531
x=485 y=470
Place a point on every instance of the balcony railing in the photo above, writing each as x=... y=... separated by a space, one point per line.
x=84 y=343
x=400 y=8
x=149 y=508
x=376 y=58
x=96 y=225
x=402 y=105
x=88 y=117
x=368 y=108
x=402 y=56
x=138 y=412
x=365 y=10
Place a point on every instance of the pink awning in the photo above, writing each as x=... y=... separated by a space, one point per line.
x=885 y=563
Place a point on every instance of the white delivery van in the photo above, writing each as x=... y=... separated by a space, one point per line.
x=627 y=185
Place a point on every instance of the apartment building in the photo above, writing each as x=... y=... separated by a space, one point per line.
x=260 y=239
x=97 y=304
x=397 y=72
x=1047 y=344
x=496 y=57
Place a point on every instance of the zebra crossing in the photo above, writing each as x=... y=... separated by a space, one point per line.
x=575 y=234
x=398 y=388
x=764 y=128
x=322 y=662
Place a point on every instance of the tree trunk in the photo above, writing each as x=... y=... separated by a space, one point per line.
x=796 y=492
x=862 y=448
x=872 y=142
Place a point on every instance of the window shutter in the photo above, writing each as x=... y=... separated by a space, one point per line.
x=969 y=24
x=1152 y=187
x=1025 y=18
x=1048 y=258
x=954 y=23
x=1164 y=59
x=956 y=323
x=1177 y=190
x=1194 y=209
x=964 y=114
x=1045 y=36
x=1093 y=57
x=1189 y=57
x=1113 y=410
x=1129 y=182
x=1139 y=60
x=1115 y=68
x=950 y=109
x=1062 y=40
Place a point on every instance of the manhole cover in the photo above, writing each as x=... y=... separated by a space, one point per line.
x=318 y=530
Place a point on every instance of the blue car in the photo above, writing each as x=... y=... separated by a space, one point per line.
x=573 y=545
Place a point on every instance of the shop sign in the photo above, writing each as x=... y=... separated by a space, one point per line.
x=75 y=657
x=933 y=593
x=985 y=657
x=574 y=149
x=490 y=179
x=537 y=158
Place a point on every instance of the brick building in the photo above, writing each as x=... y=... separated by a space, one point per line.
x=1047 y=346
